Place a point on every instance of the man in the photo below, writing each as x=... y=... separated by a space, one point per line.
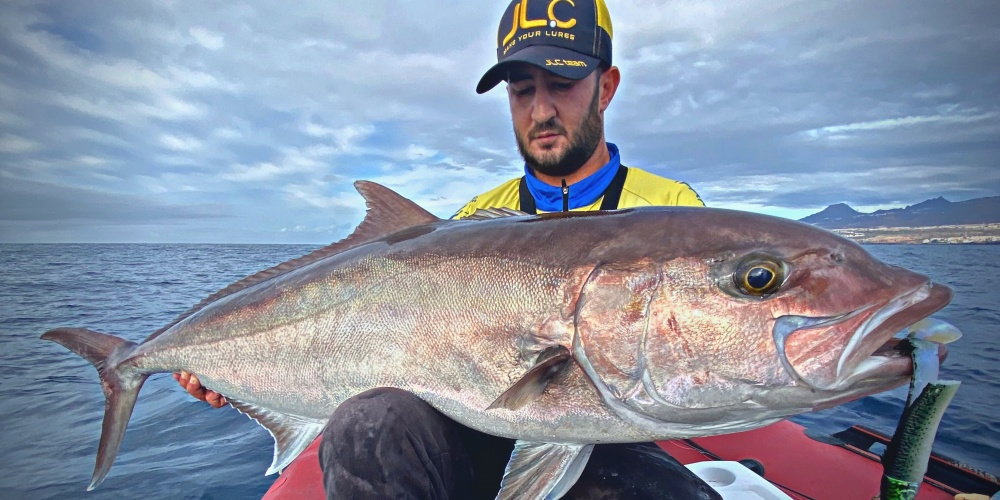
x=555 y=56
x=559 y=82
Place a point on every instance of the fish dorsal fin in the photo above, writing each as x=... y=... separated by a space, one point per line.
x=291 y=434
x=494 y=213
x=550 y=364
x=539 y=471
x=388 y=212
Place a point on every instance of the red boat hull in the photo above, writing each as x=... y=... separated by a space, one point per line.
x=800 y=466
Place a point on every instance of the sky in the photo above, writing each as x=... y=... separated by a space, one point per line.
x=248 y=122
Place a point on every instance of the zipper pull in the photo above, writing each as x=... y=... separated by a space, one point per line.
x=565 y=190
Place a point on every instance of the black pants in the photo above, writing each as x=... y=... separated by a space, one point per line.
x=387 y=443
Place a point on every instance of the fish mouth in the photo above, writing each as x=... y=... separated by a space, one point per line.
x=808 y=346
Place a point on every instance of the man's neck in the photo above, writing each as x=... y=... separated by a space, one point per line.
x=600 y=158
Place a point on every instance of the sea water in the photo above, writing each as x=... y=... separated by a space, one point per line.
x=176 y=447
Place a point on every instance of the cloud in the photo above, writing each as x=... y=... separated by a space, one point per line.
x=893 y=123
x=15 y=144
x=315 y=194
x=345 y=139
x=206 y=38
x=22 y=200
x=235 y=121
x=177 y=143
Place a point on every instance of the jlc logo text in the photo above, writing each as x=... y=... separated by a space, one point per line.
x=521 y=21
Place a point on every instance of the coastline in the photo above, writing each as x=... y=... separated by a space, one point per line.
x=964 y=234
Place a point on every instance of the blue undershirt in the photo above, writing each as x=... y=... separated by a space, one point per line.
x=581 y=194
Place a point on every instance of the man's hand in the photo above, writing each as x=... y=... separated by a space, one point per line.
x=192 y=385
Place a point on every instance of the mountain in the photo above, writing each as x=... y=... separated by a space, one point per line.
x=832 y=215
x=933 y=212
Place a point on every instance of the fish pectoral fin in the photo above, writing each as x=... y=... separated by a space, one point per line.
x=291 y=433
x=543 y=470
x=550 y=363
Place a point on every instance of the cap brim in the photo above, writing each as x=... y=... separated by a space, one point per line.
x=563 y=62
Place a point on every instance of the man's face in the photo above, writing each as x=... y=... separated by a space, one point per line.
x=557 y=121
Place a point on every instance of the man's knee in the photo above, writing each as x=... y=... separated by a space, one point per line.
x=386 y=441
x=380 y=398
x=385 y=409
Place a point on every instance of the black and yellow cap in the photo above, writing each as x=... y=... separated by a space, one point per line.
x=567 y=37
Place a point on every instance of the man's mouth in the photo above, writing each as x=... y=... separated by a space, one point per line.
x=545 y=135
x=546 y=132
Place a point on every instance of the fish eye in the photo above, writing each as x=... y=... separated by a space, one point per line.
x=758 y=277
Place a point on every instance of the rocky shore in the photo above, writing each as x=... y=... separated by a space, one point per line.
x=958 y=234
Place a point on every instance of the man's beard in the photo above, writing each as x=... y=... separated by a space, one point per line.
x=580 y=149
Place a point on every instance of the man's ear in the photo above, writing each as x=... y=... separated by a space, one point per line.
x=609 y=84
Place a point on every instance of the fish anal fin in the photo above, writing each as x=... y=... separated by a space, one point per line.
x=543 y=470
x=388 y=213
x=550 y=363
x=291 y=433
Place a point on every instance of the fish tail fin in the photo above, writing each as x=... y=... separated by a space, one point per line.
x=121 y=389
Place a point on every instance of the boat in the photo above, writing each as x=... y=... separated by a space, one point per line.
x=803 y=464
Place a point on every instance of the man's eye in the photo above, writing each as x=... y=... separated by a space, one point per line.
x=523 y=92
x=562 y=85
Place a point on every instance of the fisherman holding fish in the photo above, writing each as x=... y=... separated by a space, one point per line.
x=425 y=338
x=555 y=57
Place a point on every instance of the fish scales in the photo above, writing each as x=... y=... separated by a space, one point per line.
x=372 y=317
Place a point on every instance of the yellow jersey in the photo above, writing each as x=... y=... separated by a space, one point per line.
x=641 y=189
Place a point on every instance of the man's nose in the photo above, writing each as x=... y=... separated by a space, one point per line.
x=542 y=107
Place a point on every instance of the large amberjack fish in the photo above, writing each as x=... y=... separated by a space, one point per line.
x=559 y=330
